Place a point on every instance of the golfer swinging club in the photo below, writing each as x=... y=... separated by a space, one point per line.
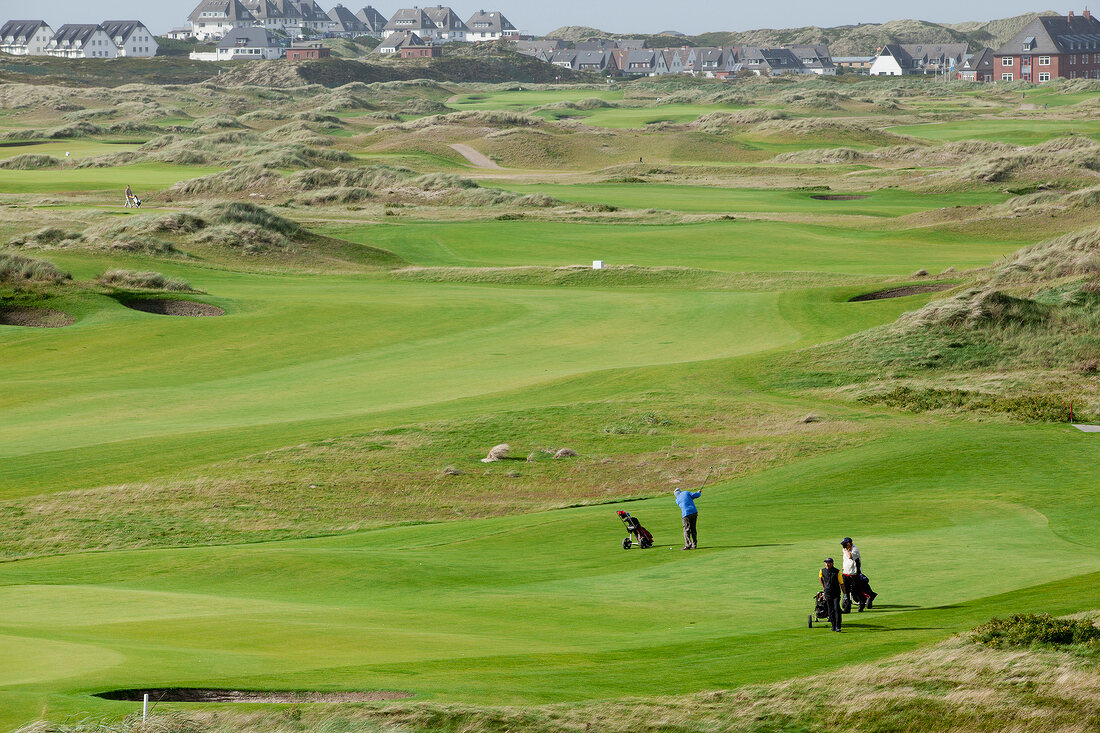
x=686 y=501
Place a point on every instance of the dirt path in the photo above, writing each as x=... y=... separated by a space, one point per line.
x=479 y=160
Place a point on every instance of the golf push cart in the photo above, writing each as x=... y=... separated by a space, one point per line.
x=638 y=535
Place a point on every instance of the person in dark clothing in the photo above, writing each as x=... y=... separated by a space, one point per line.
x=833 y=584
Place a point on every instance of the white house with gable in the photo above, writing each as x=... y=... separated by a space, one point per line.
x=212 y=19
x=131 y=37
x=25 y=37
x=489 y=26
x=249 y=43
x=81 y=41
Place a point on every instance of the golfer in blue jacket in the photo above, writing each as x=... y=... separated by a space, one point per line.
x=686 y=501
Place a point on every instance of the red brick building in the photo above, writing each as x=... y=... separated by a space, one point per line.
x=303 y=51
x=420 y=52
x=1051 y=47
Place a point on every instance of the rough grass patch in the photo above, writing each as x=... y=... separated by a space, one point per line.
x=19 y=269
x=133 y=280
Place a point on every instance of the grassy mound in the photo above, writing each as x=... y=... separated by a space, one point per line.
x=30 y=162
x=18 y=270
x=132 y=280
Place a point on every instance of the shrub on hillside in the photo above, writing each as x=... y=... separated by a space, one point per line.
x=30 y=162
x=250 y=215
x=1031 y=629
x=16 y=269
x=133 y=280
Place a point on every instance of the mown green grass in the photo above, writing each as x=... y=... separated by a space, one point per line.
x=141 y=177
x=521 y=100
x=1029 y=131
x=549 y=607
x=741 y=245
x=83 y=148
x=885 y=202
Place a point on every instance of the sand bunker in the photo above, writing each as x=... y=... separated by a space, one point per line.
x=187 y=694
x=13 y=315
x=902 y=292
x=172 y=307
x=839 y=197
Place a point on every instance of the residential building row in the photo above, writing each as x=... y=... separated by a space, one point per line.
x=107 y=40
x=1049 y=47
x=211 y=20
x=630 y=57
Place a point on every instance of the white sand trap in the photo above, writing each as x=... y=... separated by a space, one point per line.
x=1088 y=428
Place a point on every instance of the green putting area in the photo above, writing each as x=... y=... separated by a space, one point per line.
x=738 y=246
x=141 y=176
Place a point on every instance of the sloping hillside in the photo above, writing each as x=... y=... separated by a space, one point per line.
x=845 y=40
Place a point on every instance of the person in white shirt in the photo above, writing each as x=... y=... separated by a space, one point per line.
x=854 y=587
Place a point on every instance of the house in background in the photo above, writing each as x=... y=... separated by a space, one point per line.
x=854 y=64
x=314 y=20
x=447 y=26
x=542 y=50
x=25 y=37
x=276 y=15
x=815 y=59
x=977 y=67
x=131 y=37
x=489 y=26
x=179 y=34
x=396 y=41
x=346 y=23
x=898 y=59
x=82 y=41
x=212 y=19
x=429 y=51
x=1049 y=47
x=249 y=43
x=373 y=20
x=307 y=50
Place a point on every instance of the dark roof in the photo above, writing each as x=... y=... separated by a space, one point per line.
x=592 y=59
x=121 y=28
x=77 y=34
x=408 y=19
x=272 y=9
x=21 y=28
x=925 y=53
x=232 y=9
x=248 y=38
x=370 y=17
x=496 y=20
x=445 y=19
x=1056 y=34
x=401 y=39
x=347 y=19
x=979 y=61
x=311 y=11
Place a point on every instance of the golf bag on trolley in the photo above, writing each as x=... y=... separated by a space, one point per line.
x=640 y=534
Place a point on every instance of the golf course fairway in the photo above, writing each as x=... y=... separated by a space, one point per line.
x=548 y=607
x=379 y=448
